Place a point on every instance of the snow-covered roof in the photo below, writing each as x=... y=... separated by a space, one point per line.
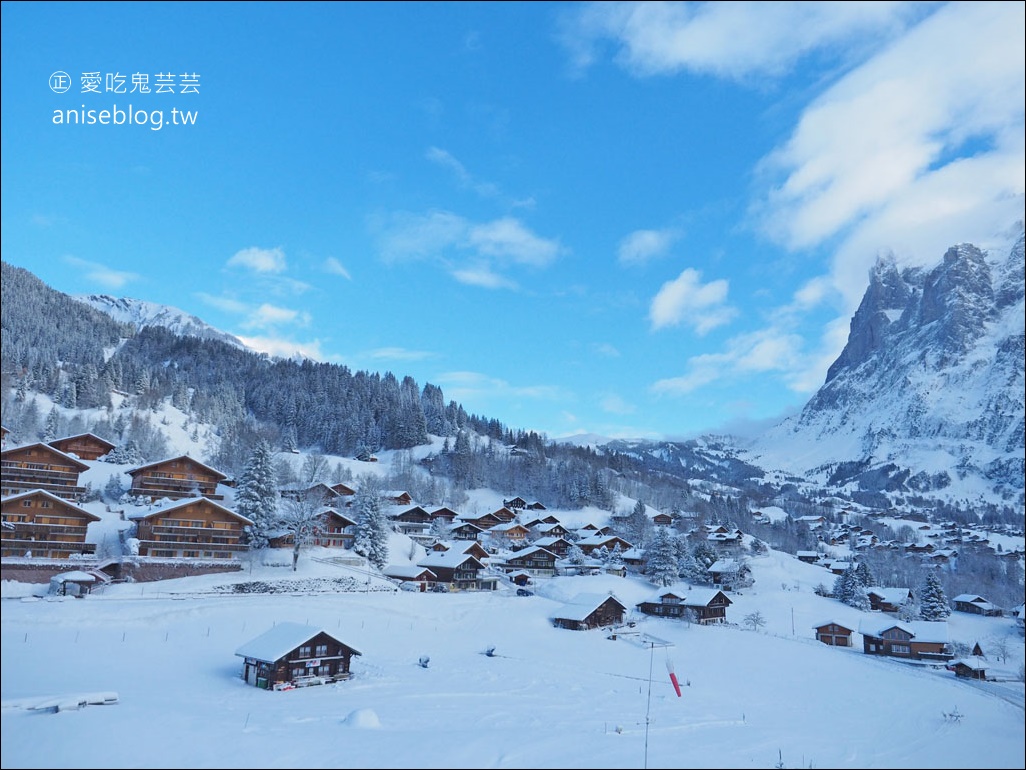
x=136 y=515
x=405 y=571
x=582 y=605
x=921 y=630
x=449 y=559
x=890 y=595
x=280 y=640
x=974 y=662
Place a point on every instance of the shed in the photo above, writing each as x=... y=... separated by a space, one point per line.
x=973 y=667
x=590 y=610
x=834 y=633
x=295 y=655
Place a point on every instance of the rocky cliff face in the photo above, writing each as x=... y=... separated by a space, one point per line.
x=930 y=381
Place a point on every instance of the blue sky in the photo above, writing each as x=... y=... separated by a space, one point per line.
x=635 y=220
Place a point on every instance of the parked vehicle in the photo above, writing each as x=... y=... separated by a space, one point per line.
x=524 y=592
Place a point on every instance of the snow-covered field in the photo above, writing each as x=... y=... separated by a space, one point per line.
x=547 y=697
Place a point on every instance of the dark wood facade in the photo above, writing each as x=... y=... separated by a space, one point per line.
x=834 y=634
x=40 y=466
x=703 y=605
x=39 y=524
x=85 y=446
x=533 y=560
x=291 y=655
x=588 y=611
x=177 y=478
x=336 y=530
x=192 y=529
x=916 y=640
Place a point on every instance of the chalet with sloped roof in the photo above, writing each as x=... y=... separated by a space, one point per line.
x=590 y=610
x=294 y=655
x=421 y=577
x=534 y=560
x=914 y=639
x=456 y=570
x=888 y=599
x=176 y=478
x=84 y=446
x=700 y=605
x=40 y=524
x=40 y=466
x=195 y=528
x=834 y=633
x=336 y=530
x=976 y=605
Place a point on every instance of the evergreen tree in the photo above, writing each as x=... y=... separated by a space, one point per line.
x=865 y=573
x=575 y=555
x=52 y=427
x=690 y=568
x=257 y=495
x=372 y=529
x=661 y=559
x=850 y=590
x=933 y=604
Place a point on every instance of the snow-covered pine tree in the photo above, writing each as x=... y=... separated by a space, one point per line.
x=849 y=589
x=257 y=495
x=691 y=569
x=933 y=603
x=661 y=562
x=865 y=573
x=372 y=529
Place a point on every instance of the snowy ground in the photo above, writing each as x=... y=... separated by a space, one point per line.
x=547 y=698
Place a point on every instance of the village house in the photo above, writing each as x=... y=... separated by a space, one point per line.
x=457 y=571
x=511 y=533
x=294 y=655
x=176 y=478
x=40 y=466
x=84 y=446
x=590 y=610
x=534 y=560
x=972 y=667
x=466 y=530
x=397 y=497
x=888 y=599
x=594 y=542
x=336 y=530
x=516 y=504
x=412 y=521
x=729 y=574
x=701 y=605
x=42 y=525
x=558 y=545
x=834 y=633
x=976 y=605
x=472 y=547
x=411 y=575
x=196 y=528
x=914 y=639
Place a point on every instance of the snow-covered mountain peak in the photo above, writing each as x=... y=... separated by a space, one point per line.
x=141 y=314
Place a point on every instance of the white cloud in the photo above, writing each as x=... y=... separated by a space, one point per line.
x=507 y=238
x=767 y=351
x=101 y=274
x=333 y=266
x=445 y=159
x=227 y=304
x=483 y=277
x=733 y=40
x=605 y=349
x=259 y=260
x=471 y=252
x=270 y=315
x=464 y=386
x=399 y=354
x=283 y=348
x=642 y=245
x=687 y=299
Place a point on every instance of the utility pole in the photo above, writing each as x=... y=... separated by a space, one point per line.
x=652 y=642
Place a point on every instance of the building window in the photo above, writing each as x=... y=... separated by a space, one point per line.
x=304 y=651
x=322 y=651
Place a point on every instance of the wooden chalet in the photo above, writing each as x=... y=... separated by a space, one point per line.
x=547 y=529
x=467 y=530
x=662 y=520
x=39 y=524
x=558 y=545
x=411 y=574
x=84 y=446
x=472 y=547
x=176 y=478
x=397 y=497
x=888 y=599
x=448 y=514
x=503 y=515
x=536 y=506
x=597 y=541
x=336 y=531
x=976 y=605
x=343 y=489
x=590 y=610
x=973 y=667
x=516 y=504
x=40 y=466
x=703 y=605
x=809 y=557
x=485 y=522
x=319 y=494
x=457 y=571
x=728 y=573
x=4 y=433
x=197 y=528
x=294 y=655
x=514 y=533
x=413 y=521
x=916 y=639
x=834 y=633
x=534 y=560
